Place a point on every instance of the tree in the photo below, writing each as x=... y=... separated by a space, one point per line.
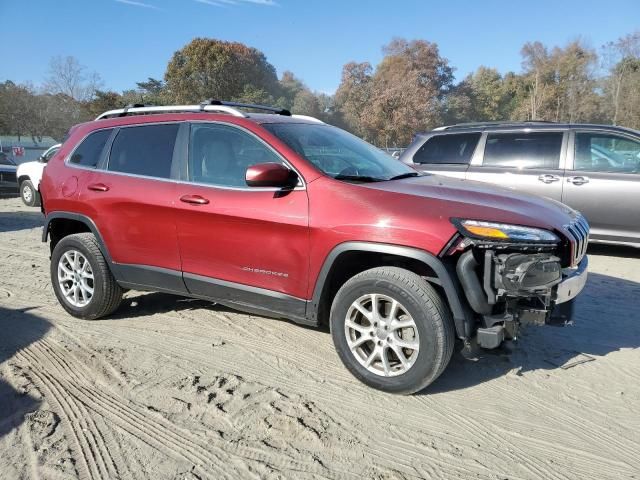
x=408 y=92
x=353 y=95
x=68 y=77
x=622 y=86
x=208 y=68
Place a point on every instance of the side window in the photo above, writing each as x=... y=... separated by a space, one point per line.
x=523 y=150
x=145 y=150
x=220 y=155
x=88 y=153
x=601 y=152
x=451 y=149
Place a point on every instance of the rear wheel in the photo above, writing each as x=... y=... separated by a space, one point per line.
x=81 y=278
x=392 y=330
x=29 y=195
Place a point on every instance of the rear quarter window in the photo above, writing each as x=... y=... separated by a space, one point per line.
x=447 y=149
x=90 y=149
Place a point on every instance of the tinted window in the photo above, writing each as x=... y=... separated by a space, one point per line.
x=598 y=152
x=220 y=155
x=4 y=160
x=145 y=150
x=448 y=149
x=88 y=153
x=523 y=150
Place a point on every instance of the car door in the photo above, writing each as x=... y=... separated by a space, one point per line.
x=446 y=154
x=524 y=160
x=131 y=199
x=603 y=182
x=246 y=245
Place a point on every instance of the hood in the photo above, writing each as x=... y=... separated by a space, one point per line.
x=455 y=198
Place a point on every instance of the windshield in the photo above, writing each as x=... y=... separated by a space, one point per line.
x=340 y=154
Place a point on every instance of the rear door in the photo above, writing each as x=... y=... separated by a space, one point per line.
x=603 y=182
x=8 y=180
x=447 y=154
x=131 y=199
x=527 y=161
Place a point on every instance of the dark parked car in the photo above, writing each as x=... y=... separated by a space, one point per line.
x=8 y=185
x=592 y=168
x=289 y=217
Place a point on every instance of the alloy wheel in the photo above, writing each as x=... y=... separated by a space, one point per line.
x=382 y=335
x=75 y=278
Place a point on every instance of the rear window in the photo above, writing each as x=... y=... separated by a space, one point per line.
x=89 y=152
x=448 y=149
x=523 y=150
x=145 y=150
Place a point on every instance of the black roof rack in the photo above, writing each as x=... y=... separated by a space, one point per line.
x=276 y=110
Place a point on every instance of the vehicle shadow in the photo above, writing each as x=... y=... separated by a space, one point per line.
x=621 y=251
x=143 y=304
x=605 y=320
x=20 y=220
x=19 y=330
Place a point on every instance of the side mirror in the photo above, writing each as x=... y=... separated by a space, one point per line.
x=270 y=175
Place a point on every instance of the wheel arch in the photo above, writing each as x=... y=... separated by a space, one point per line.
x=339 y=266
x=58 y=225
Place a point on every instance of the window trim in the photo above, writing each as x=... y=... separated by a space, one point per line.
x=443 y=134
x=602 y=131
x=479 y=161
x=181 y=156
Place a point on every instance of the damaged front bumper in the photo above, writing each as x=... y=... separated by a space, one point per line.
x=573 y=281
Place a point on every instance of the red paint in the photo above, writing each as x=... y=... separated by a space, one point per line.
x=229 y=233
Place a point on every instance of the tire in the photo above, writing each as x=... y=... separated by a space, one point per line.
x=418 y=302
x=106 y=295
x=29 y=195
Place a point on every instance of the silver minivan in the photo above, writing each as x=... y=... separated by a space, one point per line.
x=592 y=168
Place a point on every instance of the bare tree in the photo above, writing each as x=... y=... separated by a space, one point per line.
x=68 y=77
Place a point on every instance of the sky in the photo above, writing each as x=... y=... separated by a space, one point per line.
x=126 y=41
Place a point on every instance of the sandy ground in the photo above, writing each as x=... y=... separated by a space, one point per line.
x=171 y=388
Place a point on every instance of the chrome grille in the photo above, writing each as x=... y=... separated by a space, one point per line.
x=578 y=234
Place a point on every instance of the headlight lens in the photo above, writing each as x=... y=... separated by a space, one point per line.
x=504 y=232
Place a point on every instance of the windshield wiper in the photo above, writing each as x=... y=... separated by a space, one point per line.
x=405 y=175
x=359 y=178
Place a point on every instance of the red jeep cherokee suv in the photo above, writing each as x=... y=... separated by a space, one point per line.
x=283 y=215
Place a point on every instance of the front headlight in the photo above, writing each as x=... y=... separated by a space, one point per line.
x=503 y=232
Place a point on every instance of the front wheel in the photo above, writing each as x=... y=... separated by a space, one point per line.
x=29 y=195
x=392 y=330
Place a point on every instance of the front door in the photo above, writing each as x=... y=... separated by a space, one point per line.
x=241 y=244
x=524 y=161
x=604 y=184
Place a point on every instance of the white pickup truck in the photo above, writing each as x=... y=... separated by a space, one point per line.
x=29 y=175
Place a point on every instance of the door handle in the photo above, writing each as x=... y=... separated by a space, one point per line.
x=98 y=187
x=579 y=180
x=547 y=178
x=194 y=199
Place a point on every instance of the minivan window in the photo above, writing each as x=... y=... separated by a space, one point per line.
x=523 y=150
x=89 y=151
x=220 y=155
x=144 y=150
x=448 y=149
x=601 y=152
